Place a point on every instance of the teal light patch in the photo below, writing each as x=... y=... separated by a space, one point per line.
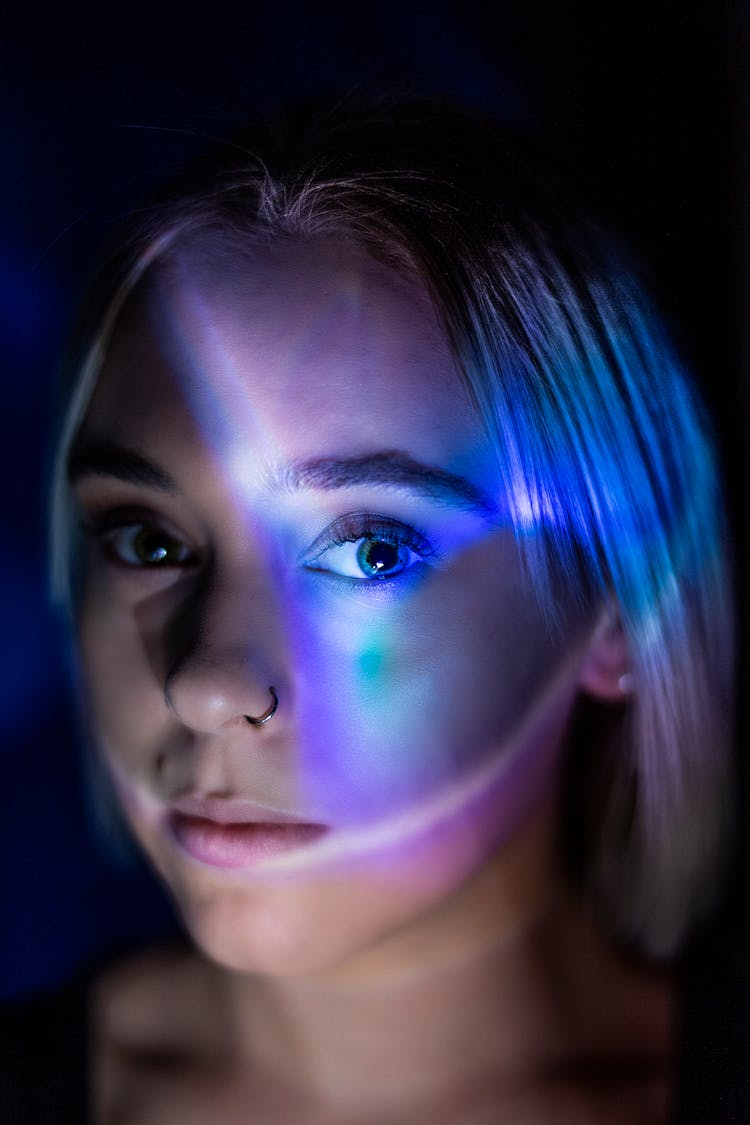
x=371 y=663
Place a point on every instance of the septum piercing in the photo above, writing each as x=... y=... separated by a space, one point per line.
x=269 y=714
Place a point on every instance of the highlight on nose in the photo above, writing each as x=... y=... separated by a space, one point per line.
x=208 y=693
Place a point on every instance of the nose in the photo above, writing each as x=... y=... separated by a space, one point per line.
x=226 y=667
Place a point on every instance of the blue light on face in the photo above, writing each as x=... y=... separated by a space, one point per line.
x=360 y=610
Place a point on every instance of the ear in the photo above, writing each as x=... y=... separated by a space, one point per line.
x=606 y=672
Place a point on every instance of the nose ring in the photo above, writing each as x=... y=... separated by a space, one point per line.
x=269 y=714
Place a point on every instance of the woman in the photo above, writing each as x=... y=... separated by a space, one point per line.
x=405 y=637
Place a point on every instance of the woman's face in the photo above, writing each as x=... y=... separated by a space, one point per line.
x=285 y=485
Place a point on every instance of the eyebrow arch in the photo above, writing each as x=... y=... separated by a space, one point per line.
x=391 y=468
x=106 y=459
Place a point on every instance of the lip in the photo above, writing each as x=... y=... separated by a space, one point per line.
x=235 y=833
x=232 y=810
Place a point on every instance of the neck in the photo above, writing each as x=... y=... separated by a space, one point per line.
x=483 y=989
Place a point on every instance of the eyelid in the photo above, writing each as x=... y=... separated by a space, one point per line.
x=103 y=526
x=340 y=539
x=348 y=528
x=366 y=525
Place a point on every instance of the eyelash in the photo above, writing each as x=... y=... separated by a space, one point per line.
x=107 y=527
x=360 y=527
x=357 y=527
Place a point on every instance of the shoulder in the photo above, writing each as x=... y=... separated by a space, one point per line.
x=158 y=1037
x=160 y=1000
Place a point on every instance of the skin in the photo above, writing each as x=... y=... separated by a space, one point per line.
x=422 y=717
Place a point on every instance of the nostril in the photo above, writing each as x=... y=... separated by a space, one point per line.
x=209 y=695
x=267 y=714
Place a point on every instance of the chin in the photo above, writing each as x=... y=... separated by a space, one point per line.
x=298 y=927
x=276 y=932
x=323 y=915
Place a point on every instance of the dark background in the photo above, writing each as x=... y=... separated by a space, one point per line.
x=641 y=101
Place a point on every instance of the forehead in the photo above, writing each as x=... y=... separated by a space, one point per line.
x=293 y=348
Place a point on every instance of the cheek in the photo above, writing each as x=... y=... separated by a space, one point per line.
x=124 y=704
x=402 y=702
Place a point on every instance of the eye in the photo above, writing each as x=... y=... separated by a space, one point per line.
x=372 y=558
x=362 y=548
x=143 y=545
x=148 y=546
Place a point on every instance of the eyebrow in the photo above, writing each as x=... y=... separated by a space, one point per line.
x=390 y=469
x=394 y=469
x=106 y=459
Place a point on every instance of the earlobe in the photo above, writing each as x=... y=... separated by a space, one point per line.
x=607 y=672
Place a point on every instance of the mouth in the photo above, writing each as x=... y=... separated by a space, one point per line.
x=233 y=833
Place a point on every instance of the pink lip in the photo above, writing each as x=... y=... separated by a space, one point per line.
x=234 y=833
x=233 y=810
